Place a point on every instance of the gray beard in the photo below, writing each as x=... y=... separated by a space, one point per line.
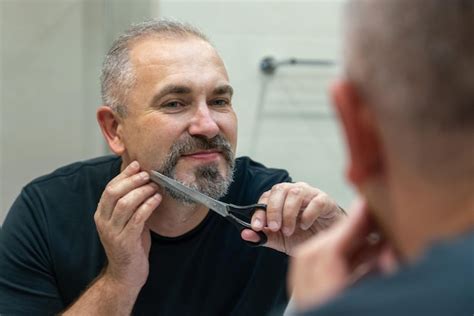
x=208 y=179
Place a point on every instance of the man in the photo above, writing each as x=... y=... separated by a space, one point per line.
x=407 y=108
x=98 y=238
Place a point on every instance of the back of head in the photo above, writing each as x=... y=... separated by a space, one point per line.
x=413 y=62
x=117 y=73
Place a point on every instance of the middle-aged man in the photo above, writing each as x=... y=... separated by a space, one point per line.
x=407 y=108
x=98 y=238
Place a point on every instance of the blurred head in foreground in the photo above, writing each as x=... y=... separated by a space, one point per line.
x=407 y=109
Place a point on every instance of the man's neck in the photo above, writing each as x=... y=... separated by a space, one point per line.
x=424 y=214
x=173 y=219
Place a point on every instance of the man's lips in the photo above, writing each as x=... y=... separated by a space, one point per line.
x=204 y=155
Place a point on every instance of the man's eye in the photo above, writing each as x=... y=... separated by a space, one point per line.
x=173 y=105
x=220 y=102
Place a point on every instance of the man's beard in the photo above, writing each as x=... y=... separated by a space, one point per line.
x=208 y=179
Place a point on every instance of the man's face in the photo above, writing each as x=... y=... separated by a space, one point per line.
x=179 y=116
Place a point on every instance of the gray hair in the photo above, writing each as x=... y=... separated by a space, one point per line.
x=413 y=62
x=416 y=58
x=117 y=72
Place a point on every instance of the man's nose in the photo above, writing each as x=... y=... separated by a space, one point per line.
x=203 y=123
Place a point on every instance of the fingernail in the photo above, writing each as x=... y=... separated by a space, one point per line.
x=134 y=164
x=257 y=223
x=144 y=175
x=303 y=227
x=273 y=226
x=286 y=231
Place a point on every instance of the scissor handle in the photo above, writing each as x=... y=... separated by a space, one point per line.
x=241 y=217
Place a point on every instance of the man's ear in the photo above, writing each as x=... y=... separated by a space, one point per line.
x=111 y=126
x=362 y=135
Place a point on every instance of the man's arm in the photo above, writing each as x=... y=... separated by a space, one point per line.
x=27 y=282
x=105 y=297
x=126 y=204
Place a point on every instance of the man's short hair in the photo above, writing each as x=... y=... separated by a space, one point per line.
x=412 y=61
x=117 y=72
x=415 y=57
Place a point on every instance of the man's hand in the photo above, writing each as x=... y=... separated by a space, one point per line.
x=126 y=203
x=335 y=259
x=295 y=212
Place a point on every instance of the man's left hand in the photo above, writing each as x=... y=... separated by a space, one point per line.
x=295 y=212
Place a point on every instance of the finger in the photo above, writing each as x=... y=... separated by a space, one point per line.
x=259 y=217
x=275 y=204
x=117 y=189
x=291 y=209
x=128 y=204
x=352 y=233
x=250 y=235
x=388 y=261
x=264 y=198
x=318 y=206
x=137 y=222
x=258 y=220
x=130 y=170
x=358 y=226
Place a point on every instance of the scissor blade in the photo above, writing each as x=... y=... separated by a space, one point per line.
x=218 y=207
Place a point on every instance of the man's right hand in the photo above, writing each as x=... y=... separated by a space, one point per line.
x=126 y=203
x=333 y=260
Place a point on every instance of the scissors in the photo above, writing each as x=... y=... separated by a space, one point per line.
x=240 y=216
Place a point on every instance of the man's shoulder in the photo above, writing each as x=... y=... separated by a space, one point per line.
x=246 y=165
x=251 y=179
x=440 y=283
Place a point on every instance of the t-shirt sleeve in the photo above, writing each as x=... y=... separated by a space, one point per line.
x=27 y=281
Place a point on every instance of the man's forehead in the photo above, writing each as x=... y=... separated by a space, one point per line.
x=162 y=49
x=181 y=65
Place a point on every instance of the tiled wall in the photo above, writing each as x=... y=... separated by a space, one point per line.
x=298 y=130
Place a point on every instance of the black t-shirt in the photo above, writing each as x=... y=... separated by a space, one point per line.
x=440 y=284
x=50 y=250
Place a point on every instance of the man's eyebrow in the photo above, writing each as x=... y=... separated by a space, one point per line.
x=224 y=89
x=171 y=89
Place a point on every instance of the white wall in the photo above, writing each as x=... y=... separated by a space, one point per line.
x=303 y=136
x=51 y=53
x=1 y=120
x=43 y=109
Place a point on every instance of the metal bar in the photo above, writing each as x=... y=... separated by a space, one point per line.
x=268 y=65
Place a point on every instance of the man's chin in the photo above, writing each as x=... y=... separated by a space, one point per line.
x=188 y=173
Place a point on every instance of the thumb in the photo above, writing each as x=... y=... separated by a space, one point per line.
x=352 y=232
x=249 y=235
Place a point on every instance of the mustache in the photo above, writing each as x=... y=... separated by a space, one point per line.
x=194 y=143
x=191 y=144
